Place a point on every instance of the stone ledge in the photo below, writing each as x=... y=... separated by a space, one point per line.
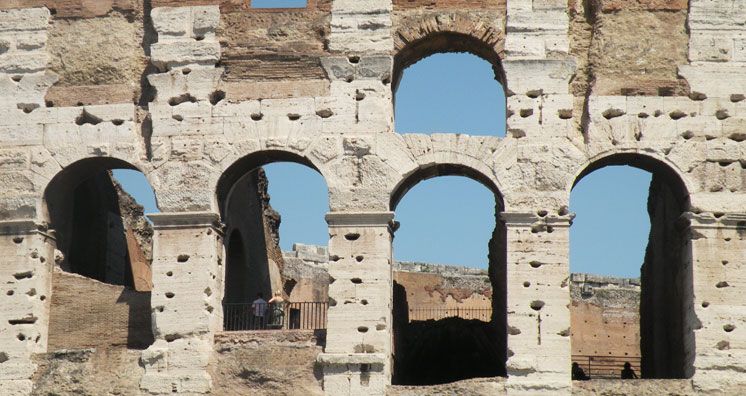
x=359 y=219
x=184 y=220
x=352 y=358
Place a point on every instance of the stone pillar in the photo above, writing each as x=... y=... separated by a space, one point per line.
x=187 y=274
x=357 y=359
x=538 y=303
x=716 y=317
x=26 y=261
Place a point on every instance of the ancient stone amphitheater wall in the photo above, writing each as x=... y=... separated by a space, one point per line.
x=196 y=93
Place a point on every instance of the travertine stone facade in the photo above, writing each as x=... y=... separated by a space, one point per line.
x=194 y=129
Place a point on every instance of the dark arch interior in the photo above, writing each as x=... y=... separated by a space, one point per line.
x=445 y=42
x=85 y=208
x=436 y=351
x=254 y=261
x=103 y=236
x=666 y=309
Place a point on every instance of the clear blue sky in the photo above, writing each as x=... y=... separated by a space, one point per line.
x=449 y=220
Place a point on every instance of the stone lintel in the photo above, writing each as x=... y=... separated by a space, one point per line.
x=709 y=220
x=529 y=219
x=374 y=359
x=182 y=220
x=360 y=219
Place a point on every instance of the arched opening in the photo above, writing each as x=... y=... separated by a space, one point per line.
x=274 y=282
x=449 y=82
x=450 y=308
x=631 y=261
x=101 y=278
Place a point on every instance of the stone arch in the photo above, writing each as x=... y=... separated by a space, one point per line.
x=645 y=161
x=443 y=35
x=433 y=169
x=491 y=336
x=255 y=263
x=100 y=288
x=247 y=163
x=666 y=307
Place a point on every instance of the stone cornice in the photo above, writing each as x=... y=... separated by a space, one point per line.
x=24 y=227
x=710 y=220
x=182 y=220
x=360 y=219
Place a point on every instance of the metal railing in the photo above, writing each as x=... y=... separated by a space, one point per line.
x=437 y=313
x=296 y=315
x=606 y=366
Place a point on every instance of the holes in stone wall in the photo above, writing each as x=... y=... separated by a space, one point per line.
x=722 y=114
x=537 y=305
x=27 y=107
x=729 y=328
x=22 y=321
x=170 y=295
x=293 y=117
x=722 y=284
x=362 y=329
x=87 y=118
x=216 y=97
x=23 y=275
x=183 y=98
x=352 y=236
x=3 y=357
x=359 y=259
x=613 y=113
x=182 y=258
x=325 y=113
x=723 y=345
x=356 y=281
x=257 y=116
x=17 y=240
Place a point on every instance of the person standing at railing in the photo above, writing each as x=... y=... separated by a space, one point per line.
x=628 y=372
x=259 y=309
x=276 y=311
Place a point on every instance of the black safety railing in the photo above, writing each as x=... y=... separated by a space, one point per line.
x=609 y=367
x=437 y=313
x=296 y=315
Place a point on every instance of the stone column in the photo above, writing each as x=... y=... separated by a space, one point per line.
x=716 y=312
x=538 y=303
x=357 y=358
x=26 y=262
x=187 y=274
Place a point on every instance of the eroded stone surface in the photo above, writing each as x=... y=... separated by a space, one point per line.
x=197 y=107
